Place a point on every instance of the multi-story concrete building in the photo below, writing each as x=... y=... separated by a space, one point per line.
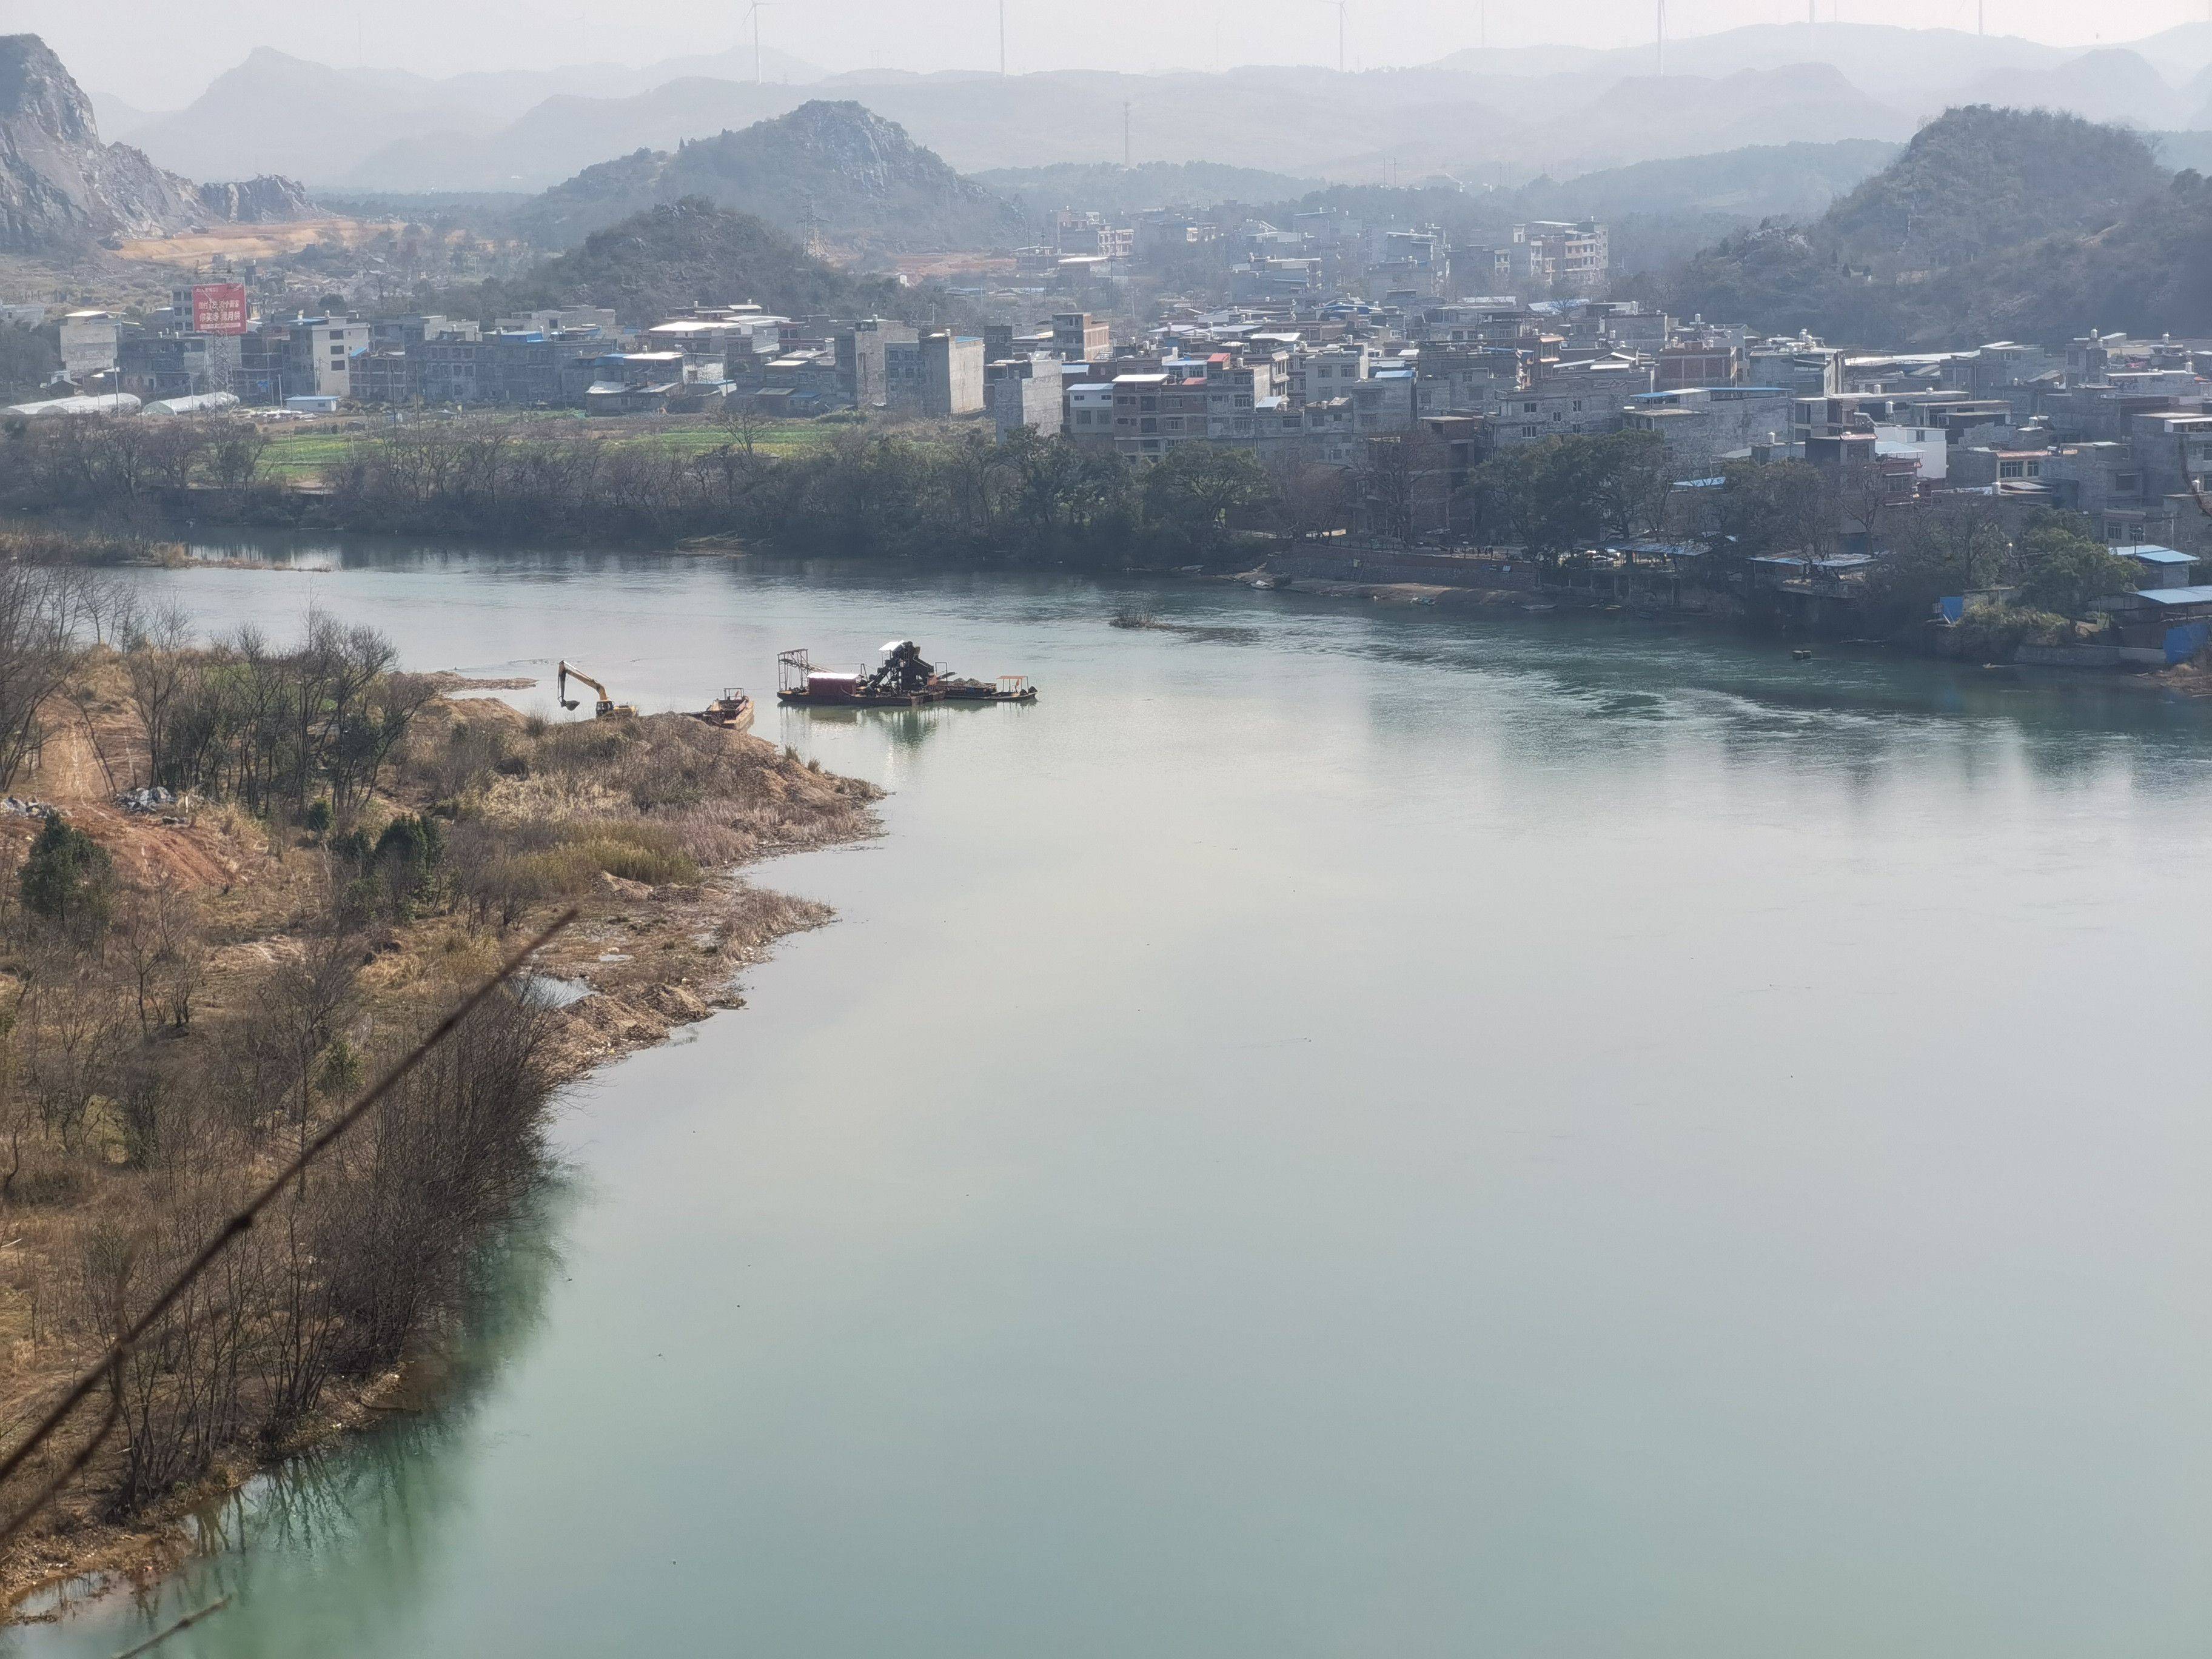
x=1706 y=423
x=1025 y=401
x=1088 y=412
x=1466 y=380
x=1079 y=337
x=1331 y=371
x=90 y=342
x=863 y=367
x=1234 y=389
x=151 y=366
x=321 y=354
x=938 y=375
x=1575 y=256
x=1804 y=366
x=1137 y=413
x=1581 y=399
x=1698 y=362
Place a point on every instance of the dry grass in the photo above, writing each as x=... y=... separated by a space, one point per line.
x=627 y=819
x=242 y=241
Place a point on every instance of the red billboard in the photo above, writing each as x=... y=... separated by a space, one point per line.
x=219 y=308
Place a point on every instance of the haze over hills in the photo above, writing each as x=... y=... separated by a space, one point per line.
x=1993 y=223
x=1110 y=187
x=1500 y=115
x=321 y=121
x=63 y=190
x=1350 y=127
x=834 y=169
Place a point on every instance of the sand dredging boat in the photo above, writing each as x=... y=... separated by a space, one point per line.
x=902 y=680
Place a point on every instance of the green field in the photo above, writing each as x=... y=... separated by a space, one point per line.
x=303 y=452
x=306 y=452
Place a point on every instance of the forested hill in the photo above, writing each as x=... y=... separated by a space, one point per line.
x=831 y=168
x=1994 y=223
x=659 y=261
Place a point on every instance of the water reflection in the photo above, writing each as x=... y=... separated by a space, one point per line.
x=1377 y=1137
x=381 y=1504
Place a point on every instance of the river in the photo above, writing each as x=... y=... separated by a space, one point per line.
x=1342 y=1131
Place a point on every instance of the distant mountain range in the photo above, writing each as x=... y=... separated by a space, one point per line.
x=1110 y=187
x=832 y=170
x=1494 y=116
x=63 y=190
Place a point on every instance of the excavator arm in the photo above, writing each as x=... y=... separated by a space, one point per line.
x=578 y=674
x=604 y=708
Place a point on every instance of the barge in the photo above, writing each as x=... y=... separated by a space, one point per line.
x=904 y=679
x=732 y=711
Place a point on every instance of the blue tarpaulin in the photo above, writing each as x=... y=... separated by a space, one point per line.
x=2185 y=641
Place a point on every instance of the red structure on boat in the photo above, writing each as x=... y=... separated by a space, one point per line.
x=904 y=679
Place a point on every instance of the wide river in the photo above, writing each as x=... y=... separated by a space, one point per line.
x=1342 y=1131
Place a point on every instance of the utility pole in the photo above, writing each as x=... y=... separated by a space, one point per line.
x=1125 y=135
x=1662 y=36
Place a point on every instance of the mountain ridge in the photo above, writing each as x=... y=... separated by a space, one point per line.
x=834 y=168
x=1502 y=107
x=1992 y=223
x=63 y=188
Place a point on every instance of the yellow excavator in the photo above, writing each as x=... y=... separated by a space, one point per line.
x=605 y=709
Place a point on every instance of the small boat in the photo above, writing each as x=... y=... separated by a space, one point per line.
x=1010 y=687
x=1801 y=653
x=732 y=711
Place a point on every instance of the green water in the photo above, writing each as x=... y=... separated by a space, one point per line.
x=1348 y=1132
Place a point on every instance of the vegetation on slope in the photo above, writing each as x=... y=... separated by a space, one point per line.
x=832 y=167
x=1993 y=223
x=192 y=989
x=685 y=253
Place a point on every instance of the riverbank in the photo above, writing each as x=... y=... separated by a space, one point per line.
x=644 y=825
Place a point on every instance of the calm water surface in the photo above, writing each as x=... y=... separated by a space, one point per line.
x=1349 y=1132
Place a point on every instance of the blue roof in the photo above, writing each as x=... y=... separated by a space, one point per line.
x=2147 y=553
x=2176 y=595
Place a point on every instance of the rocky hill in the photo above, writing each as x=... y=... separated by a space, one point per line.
x=61 y=188
x=1993 y=223
x=833 y=168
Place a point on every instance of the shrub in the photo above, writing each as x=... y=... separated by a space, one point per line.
x=68 y=879
x=318 y=819
x=1992 y=633
x=632 y=858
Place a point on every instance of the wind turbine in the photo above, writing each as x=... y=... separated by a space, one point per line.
x=1340 y=5
x=1002 y=38
x=1662 y=36
x=753 y=16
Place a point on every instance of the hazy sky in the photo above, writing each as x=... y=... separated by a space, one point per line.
x=162 y=55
